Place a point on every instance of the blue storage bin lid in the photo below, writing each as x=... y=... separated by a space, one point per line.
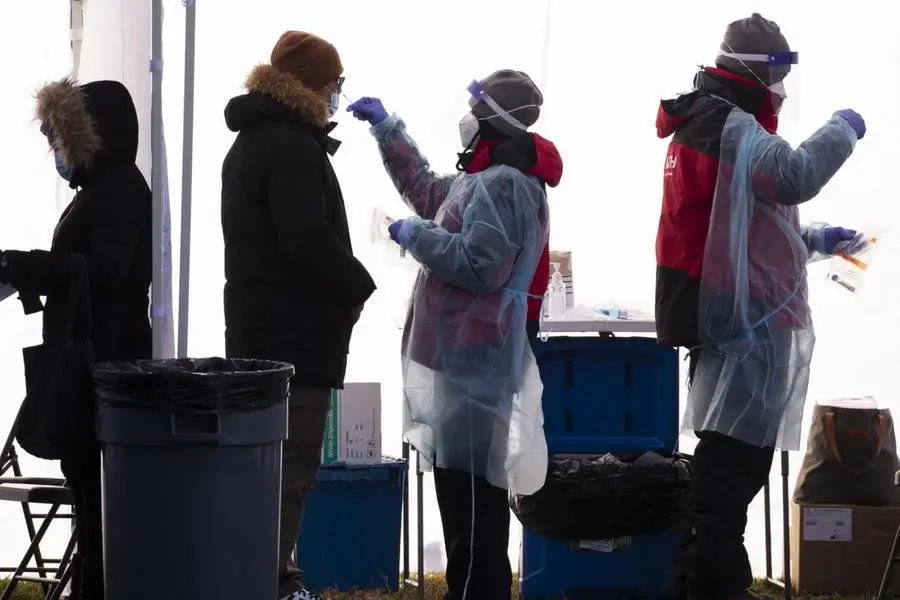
x=388 y=470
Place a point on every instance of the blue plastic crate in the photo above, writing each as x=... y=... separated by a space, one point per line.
x=350 y=538
x=609 y=394
x=644 y=569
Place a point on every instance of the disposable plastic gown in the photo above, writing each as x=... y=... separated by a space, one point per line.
x=755 y=324
x=471 y=384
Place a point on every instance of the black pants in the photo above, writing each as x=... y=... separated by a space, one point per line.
x=532 y=330
x=726 y=475
x=82 y=473
x=300 y=466
x=490 y=576
x=477 y=565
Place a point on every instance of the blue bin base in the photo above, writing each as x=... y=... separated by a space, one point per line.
x=350 y=537
x=552 y=570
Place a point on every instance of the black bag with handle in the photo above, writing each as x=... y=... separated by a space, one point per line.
x=851 y=458
x=56 y=417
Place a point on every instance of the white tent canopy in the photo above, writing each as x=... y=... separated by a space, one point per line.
x=611 y=64
x=110 y=40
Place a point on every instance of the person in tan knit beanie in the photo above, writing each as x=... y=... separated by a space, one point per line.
x=293 y=290
x=307 y=57
x=313 y=61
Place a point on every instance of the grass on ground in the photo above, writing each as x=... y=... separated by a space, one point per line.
x=434 y=590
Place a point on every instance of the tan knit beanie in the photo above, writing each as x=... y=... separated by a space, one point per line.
x=307 y=57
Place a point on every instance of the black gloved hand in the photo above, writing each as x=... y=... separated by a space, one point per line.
x=31 y=303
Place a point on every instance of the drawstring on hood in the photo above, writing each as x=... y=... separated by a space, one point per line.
x=93 y=127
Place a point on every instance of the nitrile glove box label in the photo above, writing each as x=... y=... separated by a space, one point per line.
x=353 y=425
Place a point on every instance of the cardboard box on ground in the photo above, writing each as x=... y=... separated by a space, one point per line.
x=564 y=259
x=353 y=426
x=842 y=549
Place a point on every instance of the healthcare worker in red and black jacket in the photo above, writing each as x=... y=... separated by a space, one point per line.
x=731 y=282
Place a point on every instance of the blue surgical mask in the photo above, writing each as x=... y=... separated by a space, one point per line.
x=64 y=170
x=334 y=103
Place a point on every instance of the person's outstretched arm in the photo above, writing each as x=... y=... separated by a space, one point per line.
x=422 y=189
x=787 y=176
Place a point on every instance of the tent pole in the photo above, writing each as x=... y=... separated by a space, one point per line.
x=157 y=178
x=76 y=33
x=184 y=285
x=545 y=56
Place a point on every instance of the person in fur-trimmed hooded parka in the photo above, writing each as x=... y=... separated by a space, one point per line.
x=93 y=131
x=293 y=290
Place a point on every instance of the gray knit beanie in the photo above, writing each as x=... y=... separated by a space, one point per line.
x=515 y=92
x=754 y=35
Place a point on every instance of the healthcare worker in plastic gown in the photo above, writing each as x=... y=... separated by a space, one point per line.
x=470 y=379
x=731 y=282
x=93 y=131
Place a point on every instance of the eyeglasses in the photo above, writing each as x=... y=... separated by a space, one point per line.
x=340 y=85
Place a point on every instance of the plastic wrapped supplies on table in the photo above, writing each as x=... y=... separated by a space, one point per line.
x=608 y=496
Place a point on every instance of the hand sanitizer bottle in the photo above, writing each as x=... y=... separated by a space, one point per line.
x=557 y=294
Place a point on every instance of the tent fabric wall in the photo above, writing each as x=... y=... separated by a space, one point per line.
x=608 y=204
x=32 y=198
x=116 y=45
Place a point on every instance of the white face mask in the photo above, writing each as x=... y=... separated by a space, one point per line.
x=780 y=96
x=334 y=103
x=778 y=89
x=468 y=130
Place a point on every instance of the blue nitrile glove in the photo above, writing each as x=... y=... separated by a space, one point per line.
x=368 y=109
x=836 y=235
x=394 y=229
x=855 y=120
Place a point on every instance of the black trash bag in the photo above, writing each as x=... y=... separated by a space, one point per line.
x=605 y=497
x=193 y=385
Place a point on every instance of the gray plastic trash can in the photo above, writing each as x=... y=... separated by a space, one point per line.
x=191 y=477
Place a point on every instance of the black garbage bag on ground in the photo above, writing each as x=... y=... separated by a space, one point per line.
x=193 y=385
x=604 y=497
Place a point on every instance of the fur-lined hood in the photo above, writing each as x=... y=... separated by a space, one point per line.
x=289 y=92
x=92 y=126
x=62 y=111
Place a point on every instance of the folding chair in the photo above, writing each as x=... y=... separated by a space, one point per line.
x=51 y=574
x=884 y=590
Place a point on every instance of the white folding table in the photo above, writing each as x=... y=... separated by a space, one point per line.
x=608 y=325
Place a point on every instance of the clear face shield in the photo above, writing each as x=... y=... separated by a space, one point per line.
x=468 y=126
x=479 y=94
x=770 y=71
